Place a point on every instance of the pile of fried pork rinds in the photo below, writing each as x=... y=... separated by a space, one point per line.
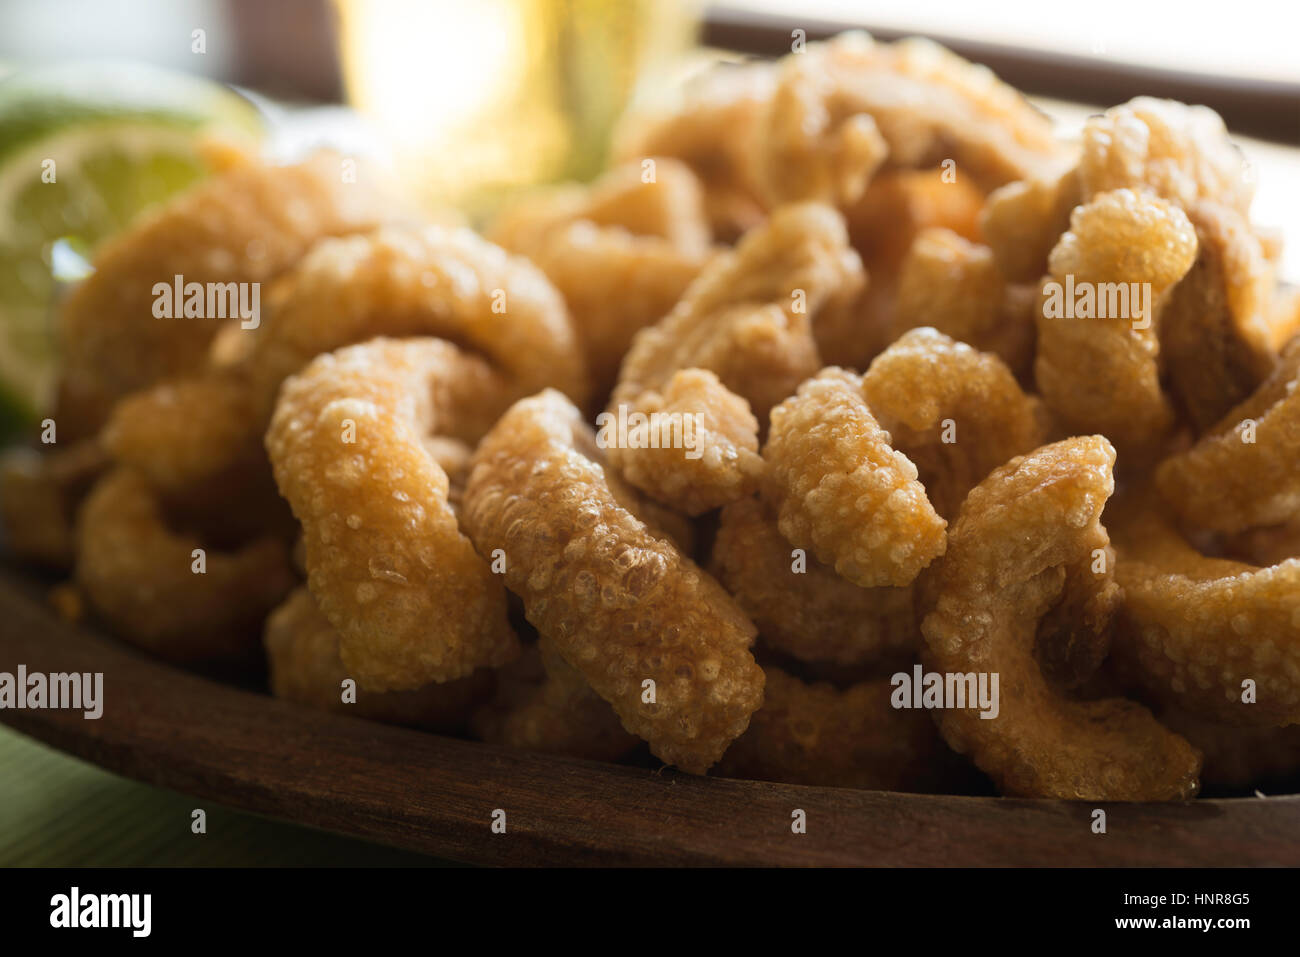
x=837 y=268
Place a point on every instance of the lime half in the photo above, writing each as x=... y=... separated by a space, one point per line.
x=84 y=149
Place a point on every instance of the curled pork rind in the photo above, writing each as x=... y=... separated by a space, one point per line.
x=816 y=734
x=39 y=495
x=396 y=281
x=1102 y=373
x=619 y=603
x=750 y=318
x=802 y=607
x=1010 y=553
x=621 y=252
x=164 y=589
x=713 y=127
x=302 y=656
x=246 y=225
x=544 y=704
x=412 y=601
x=1243 y=473
x=1197 y=629
x=839 y=106
x=955 y=412
x=842 y=491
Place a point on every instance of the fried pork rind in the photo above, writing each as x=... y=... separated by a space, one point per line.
x=713 y=127
x=619 y=603
x=137 y=572
x=397 y=281
x=1022 y=221
x=621 y=252
x=544 y=704
x=750 y=318
x=1103 y=374
x=955 y=286
x=812 y=615
x=705 y=451
x=1196 y=628
x=1010 y=553
x=246 y=225
x=1181 y=153
x=1243 y=473
x=386 y=560
x=842 y=491
x=818 y=735
x=955 y=412
x=836 y=101
x=1216 y=327
x=39 y=495
x=302 y=655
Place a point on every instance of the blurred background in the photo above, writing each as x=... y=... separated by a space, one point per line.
x=467 y=100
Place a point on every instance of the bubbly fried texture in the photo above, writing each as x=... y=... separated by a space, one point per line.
x=247 y=224
x=1196 y=628
x=138 y=575
x=955 y=286
x=544 y=704
x=1102 y=374
x=1216 y=328
x=205 y=432
x=811 y=614
x=39 y=495
x=385 y=557
x=818 y=735
x=704 y=452
x=1181 y=153
x=955 y=412
x=750 y=319
x=621 y=251
x=1009 y=553
x=842 y=491
x=621 y=604
x=713 y=126
x=799 y=262
x=1243 y=472
x=302 y=656
x=836 y=100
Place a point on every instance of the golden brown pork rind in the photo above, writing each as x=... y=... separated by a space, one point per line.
x=818 y=735
x=622 y=605
x=1009 y=555
x=842 y=491
x=955 y=412
x=802 y=607
x=302 y=656
x=386 y=560
x=39 y=495
x=246 y=225
x=166 y=590
x=1243 y=473
x=1196 y=629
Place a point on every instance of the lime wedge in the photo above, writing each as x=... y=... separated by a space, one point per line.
x=84 y=149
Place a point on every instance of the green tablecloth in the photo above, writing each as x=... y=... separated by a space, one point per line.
x=56 y=810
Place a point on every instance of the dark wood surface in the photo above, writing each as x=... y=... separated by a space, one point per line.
x=437 y=795
x=1270 y=110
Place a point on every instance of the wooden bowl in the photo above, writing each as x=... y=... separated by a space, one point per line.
x=427 y=793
